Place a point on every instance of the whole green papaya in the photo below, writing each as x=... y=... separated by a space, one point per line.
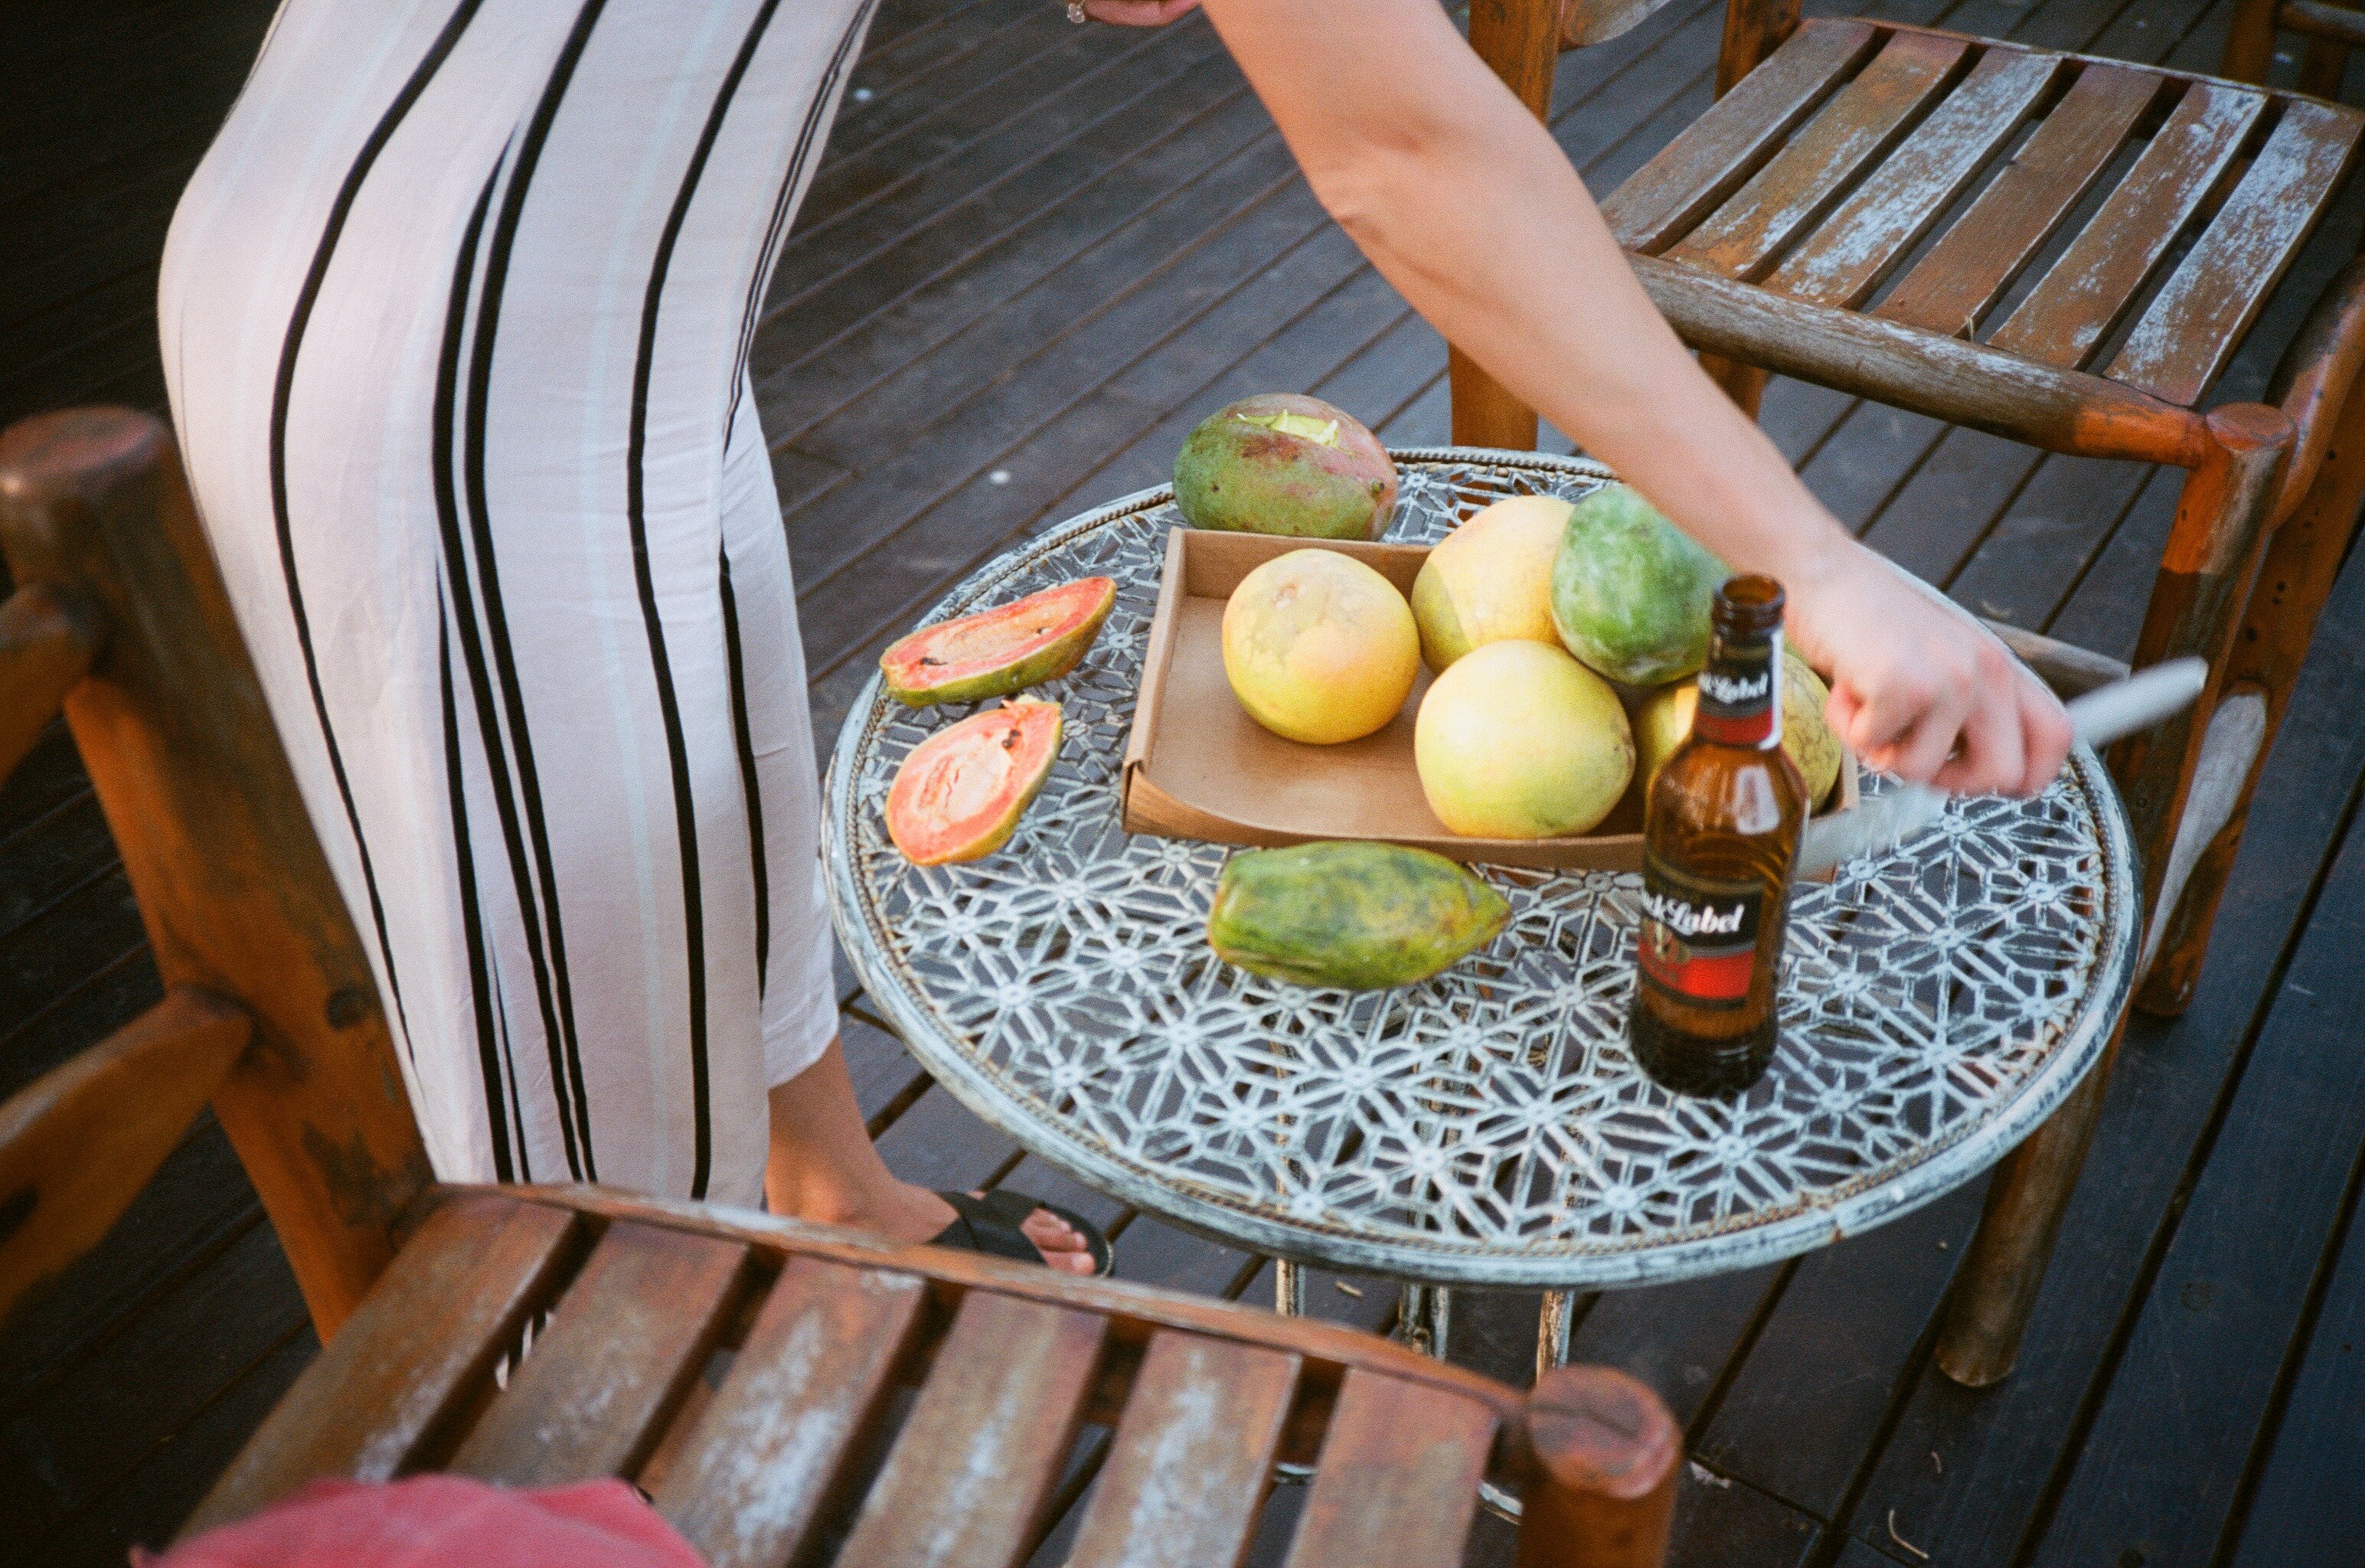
x=1356 y=915
x=1631 y=591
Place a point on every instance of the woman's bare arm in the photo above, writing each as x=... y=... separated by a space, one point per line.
x=1465 y=204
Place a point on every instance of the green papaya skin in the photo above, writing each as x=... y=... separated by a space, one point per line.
x=1286 y=465
x=1630 y=593
x=973 y=657
x=1349 y=914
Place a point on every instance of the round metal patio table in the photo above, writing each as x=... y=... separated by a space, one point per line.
x=1488 y=1126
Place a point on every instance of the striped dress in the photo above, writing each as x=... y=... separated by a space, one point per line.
x=457 y=316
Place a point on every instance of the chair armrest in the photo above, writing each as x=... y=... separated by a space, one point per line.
x=1954 y=379
x=2069 y=669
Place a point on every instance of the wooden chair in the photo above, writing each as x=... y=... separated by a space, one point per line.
x=2331 y=27
x=747 y=1372
x=1796 y=228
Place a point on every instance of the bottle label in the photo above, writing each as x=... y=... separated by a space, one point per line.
x=1739 y=704
x=1699 y=934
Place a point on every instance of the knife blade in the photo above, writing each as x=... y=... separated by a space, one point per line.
x=2099 y=717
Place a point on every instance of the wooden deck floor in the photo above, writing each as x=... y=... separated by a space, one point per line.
x=1035 y=255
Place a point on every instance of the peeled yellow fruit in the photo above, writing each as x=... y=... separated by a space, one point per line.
x=1490 y=580
x=1518 y=740
x=1661 y=724
x=1319 y=647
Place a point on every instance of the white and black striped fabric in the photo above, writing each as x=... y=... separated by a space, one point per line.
x=456 y=316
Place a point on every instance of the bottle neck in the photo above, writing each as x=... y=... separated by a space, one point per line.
x=1741 y=691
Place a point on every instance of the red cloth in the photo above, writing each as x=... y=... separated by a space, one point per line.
x=428 y=1521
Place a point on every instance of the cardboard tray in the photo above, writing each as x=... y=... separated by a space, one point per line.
x=1197 y=767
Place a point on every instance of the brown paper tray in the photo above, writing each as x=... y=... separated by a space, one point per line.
x=1197 y=767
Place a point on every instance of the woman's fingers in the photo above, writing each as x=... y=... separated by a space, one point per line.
x=2047 y=736
x=1992 y=759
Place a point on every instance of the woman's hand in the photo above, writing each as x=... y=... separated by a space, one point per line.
x=1919 y=689
x=1136 y=12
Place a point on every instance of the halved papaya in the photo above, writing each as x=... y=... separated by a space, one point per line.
x=960 y=792
x=998 y=651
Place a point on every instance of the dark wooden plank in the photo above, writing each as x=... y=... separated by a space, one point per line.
x=50 y=775
x=2041 y=544
x=50 y=857
x=1724 y=1523
x=977 y=1459
x=2084 y=294
x=2189 y=329
x=1932 y=522
x=1397 y=1480
x=46 y=955
x=1962 y=275
x=1802 y=1413
x=1995 y=1448
x=2311 y=1492
x=387 y=1391
x=1697 y=171
x=802 y=1395
x=1189 y=1462
x=1679 y=1338
x=1803 y=181
x=591 y=1394
x=145 y=1508
x=1852 y=250
x=84 y=1427
x=2159 y=1469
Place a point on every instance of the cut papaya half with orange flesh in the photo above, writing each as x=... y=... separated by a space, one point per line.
x=996 y=652
x=960 y=792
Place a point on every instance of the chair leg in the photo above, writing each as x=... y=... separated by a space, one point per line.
x=2201 y=588
x=2322 y=67
x=1484 y=414
x=1744 y=383
x=1602 y=1491
x=2250 y=40
x=2294 y=580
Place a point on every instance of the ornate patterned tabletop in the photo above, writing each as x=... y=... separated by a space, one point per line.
x=1488 y=1126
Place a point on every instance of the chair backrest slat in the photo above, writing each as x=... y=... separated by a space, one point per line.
x=592 y=1397
x=78 y=1144
x=2083 y=294
x=2188 y=332
x=1846 y=255
x=398 y=1388
x=1398 y=1477
x=773 y=1451
x=1187 y=1471
x=46 y=640
x=972 y=1472
x=1711 y=158
x=235 y=890
x=1962 y=275
x=1796 y=188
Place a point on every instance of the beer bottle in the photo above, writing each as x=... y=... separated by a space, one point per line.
x=1720 y=835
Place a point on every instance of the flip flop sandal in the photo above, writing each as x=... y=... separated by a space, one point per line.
x=991 y=1225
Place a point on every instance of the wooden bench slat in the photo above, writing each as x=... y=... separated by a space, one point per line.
x=2193 y=325
x=2086 y=292
x=976 y=1461
x=1397 y=1482
x=1974 y=261
x=416 y=1352
x=1709 y=160
x=1191 y=1459
x=78 y=1143
x=1842 y=260
x=1789 y=194
x=771 y=1451
x=590 y=1395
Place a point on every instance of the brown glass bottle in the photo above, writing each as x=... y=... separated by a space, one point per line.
x=1720 y=836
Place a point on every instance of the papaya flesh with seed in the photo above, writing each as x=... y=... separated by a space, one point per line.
x=996 y=652
x=960 y=792
x=1355 y=915
x=1286 y=464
